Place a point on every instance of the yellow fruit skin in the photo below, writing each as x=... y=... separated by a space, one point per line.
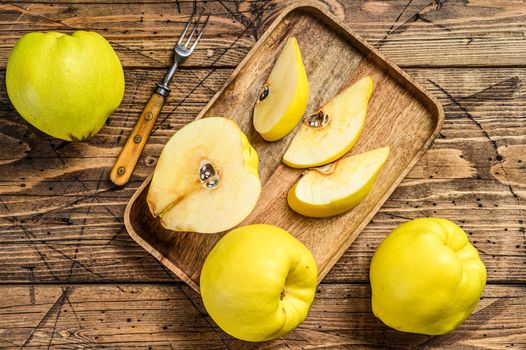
x=426 y=277
x=65 y=85
x=337 y=207
x=297 y=107
x=329 y=157
x=243 y=278
x=250 y=154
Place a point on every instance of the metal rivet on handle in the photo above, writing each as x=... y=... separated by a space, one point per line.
x=121 y=170
x=137 y=138
x=148 y=116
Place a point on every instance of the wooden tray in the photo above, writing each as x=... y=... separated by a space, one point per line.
x=401 y=114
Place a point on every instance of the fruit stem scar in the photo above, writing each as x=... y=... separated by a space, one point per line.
x=317 y=120
x=264 y=93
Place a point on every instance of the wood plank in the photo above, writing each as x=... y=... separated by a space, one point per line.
x=143 y=35
x=45 y=215
x=172 y=316
x=418 y=33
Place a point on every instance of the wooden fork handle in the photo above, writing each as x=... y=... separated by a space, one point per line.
x=130 y=154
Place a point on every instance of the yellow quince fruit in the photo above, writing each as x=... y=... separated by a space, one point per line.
x=206 y=179
x=329 y=133
x=426 y=277
x=65 y=85
x=283 y=99
x=337 y=187
x=258 y=282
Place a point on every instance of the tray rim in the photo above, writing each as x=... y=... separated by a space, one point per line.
x=432 y=101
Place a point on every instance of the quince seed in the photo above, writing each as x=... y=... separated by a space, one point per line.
x=264 y=94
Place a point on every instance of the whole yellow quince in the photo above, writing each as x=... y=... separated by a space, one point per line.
x=65 y=85
x=258 y=282
x=426 y=277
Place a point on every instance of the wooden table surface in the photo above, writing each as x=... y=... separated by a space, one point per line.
x=70 y=275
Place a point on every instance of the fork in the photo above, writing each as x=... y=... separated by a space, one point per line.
x=122 y=170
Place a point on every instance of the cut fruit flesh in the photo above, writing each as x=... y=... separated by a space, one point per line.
x=283 y=99
x=338 y=187
x=206 y=179
x=328 y=134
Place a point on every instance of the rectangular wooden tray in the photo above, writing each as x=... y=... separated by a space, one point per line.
x=401 y=114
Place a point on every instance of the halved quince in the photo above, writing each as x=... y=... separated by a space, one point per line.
x=206 y=179
x=331 y=132
x=283 y=99
x=337 y=187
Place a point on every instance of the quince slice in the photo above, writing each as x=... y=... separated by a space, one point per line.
x=328 y=134
x=338 y=187
x=283 y=99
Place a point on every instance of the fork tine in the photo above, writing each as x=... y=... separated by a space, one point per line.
x=200 y=33
x=193 y=29
x=194 y=12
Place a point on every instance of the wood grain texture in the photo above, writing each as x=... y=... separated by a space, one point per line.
x=173 y=317
x=400 y=115
x=411 y=33
x=61 y=218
